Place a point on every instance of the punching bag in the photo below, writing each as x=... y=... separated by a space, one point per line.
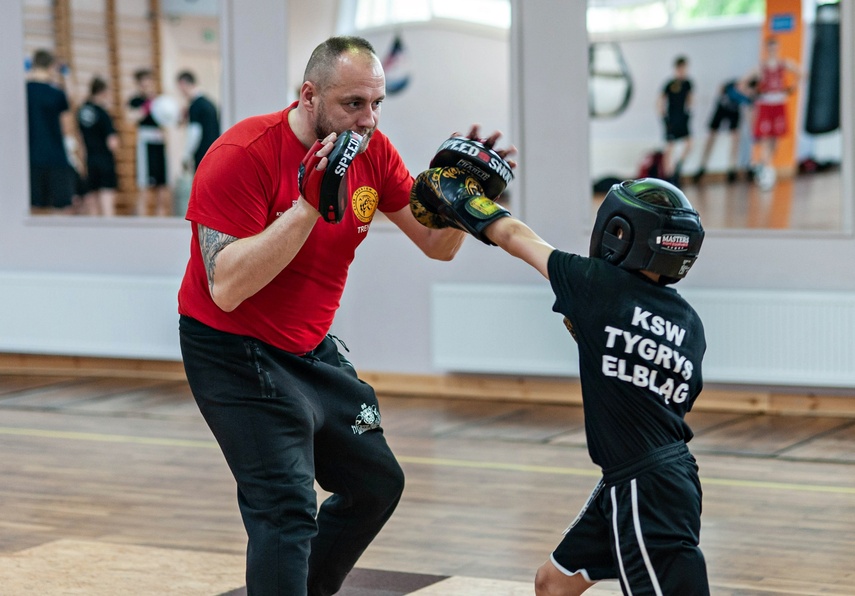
x=609 y=81
x=823 y=102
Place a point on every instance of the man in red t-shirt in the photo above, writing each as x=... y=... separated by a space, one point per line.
x=262 y=286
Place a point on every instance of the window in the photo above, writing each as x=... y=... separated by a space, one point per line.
x=377 y=13
x=637 y=15
x=630 y=15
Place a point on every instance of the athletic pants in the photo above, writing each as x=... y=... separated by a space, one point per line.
x=282 y=421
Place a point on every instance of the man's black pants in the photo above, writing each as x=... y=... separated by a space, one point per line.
x=283 y=421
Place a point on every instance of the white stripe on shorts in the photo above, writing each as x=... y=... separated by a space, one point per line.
x=617 y=541
x=638 y=535
x=567 y=572
x=637 y=523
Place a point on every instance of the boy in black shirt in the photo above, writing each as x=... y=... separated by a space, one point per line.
x=675 y=104
x=101 y=141
x=640 y=351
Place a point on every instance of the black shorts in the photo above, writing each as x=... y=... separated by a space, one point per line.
x=676 y=127
x=724 y=114
x=156 y=162
x=101 y=172
x=641 y=525
x=52 y=186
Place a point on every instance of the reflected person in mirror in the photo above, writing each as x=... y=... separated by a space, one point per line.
x=675 y=106
x=203 y=121
x=150 y=149
x=51 y=136
x=101 y=142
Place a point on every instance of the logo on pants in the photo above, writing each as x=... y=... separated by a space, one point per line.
x=368 y=419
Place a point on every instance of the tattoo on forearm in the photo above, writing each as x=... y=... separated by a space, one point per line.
x=212 y=242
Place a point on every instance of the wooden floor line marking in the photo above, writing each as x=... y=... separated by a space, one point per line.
x=430 y=461
x=105 y=438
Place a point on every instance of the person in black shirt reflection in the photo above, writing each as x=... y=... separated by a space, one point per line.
x=675 y=109
x=203 y=121
x=50 y=129
x=101 y=142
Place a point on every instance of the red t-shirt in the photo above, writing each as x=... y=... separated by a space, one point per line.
x=249 y=178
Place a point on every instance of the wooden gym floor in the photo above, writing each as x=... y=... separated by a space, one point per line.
x=803 y=203
x=807 y=202
x=115 y=486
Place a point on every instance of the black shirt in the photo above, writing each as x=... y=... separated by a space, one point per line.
x=143 y=103
x=45 y=103
x=640 y=351
x=96 y=126
x=203 y=112
x=676 y=92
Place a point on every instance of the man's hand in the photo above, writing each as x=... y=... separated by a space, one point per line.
x=490 y=143
x=323 y=174
x=477 y=157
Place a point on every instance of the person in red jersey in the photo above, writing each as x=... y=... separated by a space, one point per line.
x=262 y=285
x=778 y=77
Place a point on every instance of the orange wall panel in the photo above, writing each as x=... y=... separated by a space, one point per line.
x=784 y=22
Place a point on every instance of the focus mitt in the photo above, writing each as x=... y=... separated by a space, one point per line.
x=450 y=197
x=478 y=160
x=326 y=190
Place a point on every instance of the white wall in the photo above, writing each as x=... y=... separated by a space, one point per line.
x=440 y=100
x=385 y=314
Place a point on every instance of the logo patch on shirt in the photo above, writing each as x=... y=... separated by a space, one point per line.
x=368 y=419
x=364 y=203
x=673 y=242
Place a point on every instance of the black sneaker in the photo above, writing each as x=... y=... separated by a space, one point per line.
x=697 y=177
x=731 y=176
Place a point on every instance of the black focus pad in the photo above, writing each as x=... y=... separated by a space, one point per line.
x=450 y=197
x=326 y=190
x=476 y=159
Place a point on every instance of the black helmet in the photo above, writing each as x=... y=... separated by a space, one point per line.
x=648 y=224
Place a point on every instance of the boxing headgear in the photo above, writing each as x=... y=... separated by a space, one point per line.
x=648 y=224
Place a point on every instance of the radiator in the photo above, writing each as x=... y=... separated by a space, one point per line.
x=804 y=339
x=89 y=315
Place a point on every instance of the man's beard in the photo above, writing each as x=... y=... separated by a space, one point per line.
x=324 y=126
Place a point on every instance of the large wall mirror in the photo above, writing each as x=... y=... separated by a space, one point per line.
x=634 y=47
x=141 y=81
